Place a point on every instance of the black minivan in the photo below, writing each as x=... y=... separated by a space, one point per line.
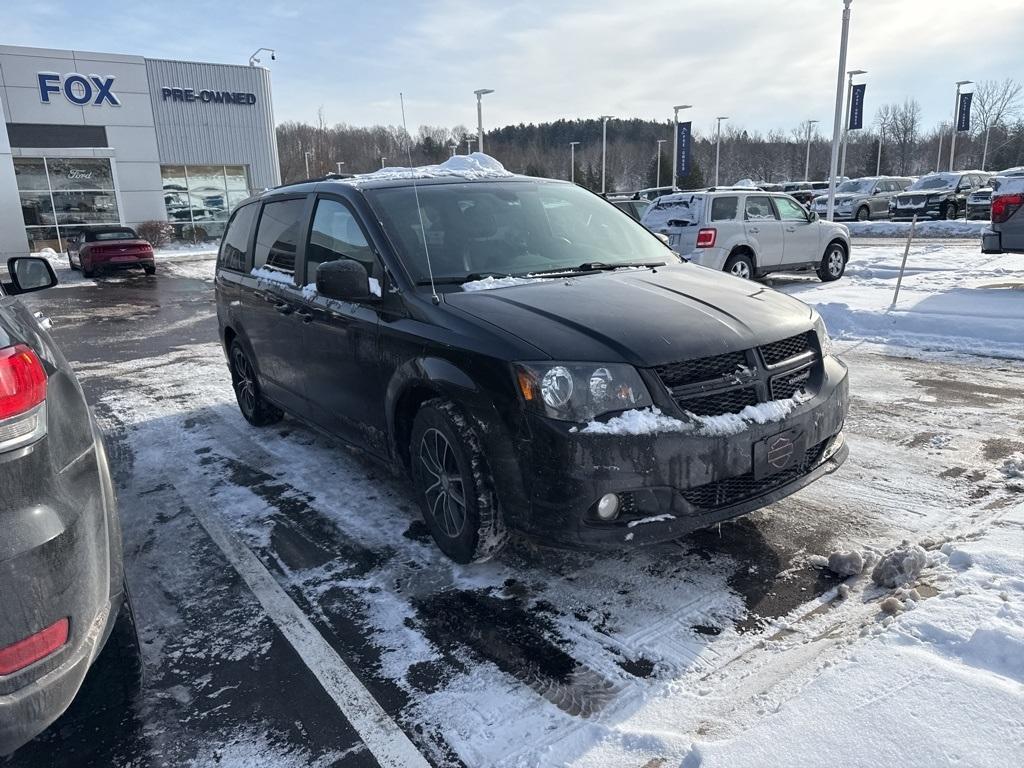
x=533 y=357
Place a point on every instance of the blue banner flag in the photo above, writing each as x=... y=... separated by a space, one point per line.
x=963 y=112
x=857 y=107
x=683 y=160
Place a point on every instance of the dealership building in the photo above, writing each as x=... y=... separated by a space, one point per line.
x=95 y=139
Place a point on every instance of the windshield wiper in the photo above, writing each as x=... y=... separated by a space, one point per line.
x=456 y=280
x=597 y=266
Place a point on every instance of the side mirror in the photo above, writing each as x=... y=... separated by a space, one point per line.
x=662 y=236
x=343 y=279
x=812 y=216
x=30 y=273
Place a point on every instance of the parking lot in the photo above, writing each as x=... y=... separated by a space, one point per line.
x=243 y=545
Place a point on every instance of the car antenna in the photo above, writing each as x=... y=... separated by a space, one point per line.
x=419 y=210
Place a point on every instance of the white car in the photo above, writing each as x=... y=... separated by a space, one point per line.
x=750 y=233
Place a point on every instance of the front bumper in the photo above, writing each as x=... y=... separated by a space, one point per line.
x=926 y=211
x=712 y=258
x=673 y=483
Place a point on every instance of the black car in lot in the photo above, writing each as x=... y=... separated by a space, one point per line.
x=937 y=196
x=62 y=593
x=485 y=332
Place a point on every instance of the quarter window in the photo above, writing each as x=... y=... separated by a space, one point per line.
x=233 y=248
x=277 y=238
x=790 y=210
x=759 y=208
x=335 y=235
x=724 y=208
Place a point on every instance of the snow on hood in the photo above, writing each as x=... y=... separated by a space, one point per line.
x=469 y=167
x=490 y=283
x=1009 y=185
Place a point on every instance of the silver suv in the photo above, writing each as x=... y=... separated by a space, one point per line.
x=749 y=232
x=863 y=199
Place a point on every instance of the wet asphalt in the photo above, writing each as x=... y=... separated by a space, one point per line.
x=224 y=674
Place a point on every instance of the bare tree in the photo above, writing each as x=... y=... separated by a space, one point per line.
x=996 y=102
x=902 y=125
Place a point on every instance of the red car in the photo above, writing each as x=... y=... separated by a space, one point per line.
x=110 y=248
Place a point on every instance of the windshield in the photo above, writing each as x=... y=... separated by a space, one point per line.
x=857 y=186
x=935 y=181
x=509 y=228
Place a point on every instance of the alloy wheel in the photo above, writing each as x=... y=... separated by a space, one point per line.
x=741 y=269
x=445 y=491
x=835 y=262
x=245 y=383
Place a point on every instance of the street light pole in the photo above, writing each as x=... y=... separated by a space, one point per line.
x=305 y=156
x=718 y=146
x=604 y=149
x=469 y=145
x=956 y=108
x=480 y=116
x=572 y=161
x=984 y=152
x=382 y=161
x=807 y=161
x=658 y=173
x=846 y=126
x=675 y=143
x=881 y=139
x=454 y=145
x=837 y=120
x=339 y=163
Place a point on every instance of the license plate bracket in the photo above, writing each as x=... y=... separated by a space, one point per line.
x=778 y=453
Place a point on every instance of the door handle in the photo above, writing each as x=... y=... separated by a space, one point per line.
x=755 y=230
x=305 y=314
x=791 y=229
x=284 y=308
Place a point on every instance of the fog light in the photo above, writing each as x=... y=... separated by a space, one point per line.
x=608 y=506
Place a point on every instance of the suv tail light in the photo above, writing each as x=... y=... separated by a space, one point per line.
x=1004 y=206
x=22 y=397
x=34 y=647
x=706 y=238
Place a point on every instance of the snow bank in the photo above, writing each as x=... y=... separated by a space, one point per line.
x=900 y=566
x=922 y=229
x=469 y=167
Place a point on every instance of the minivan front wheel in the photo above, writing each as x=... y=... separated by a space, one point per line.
x=833 y=263
x=740 y=265
x=454 y=485
x=256 y=410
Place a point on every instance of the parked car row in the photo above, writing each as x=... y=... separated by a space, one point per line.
x=863 y=199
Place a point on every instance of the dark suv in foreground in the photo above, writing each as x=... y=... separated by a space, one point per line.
x=533 y=357
x=62 y=592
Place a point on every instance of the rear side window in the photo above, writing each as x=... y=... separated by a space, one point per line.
x=759 y=208
x=277 y=238
x=335 y=235
x=236 y=239
x=724 y=208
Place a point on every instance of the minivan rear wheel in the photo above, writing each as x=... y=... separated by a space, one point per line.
x=740 y=265
x=453 y=484
x=833 y=263
x=254 y=407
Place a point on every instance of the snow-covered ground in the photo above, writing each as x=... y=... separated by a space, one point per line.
x=953 y=298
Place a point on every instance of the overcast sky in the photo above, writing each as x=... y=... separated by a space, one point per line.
x=763 y=64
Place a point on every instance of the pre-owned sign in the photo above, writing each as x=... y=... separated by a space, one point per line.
x=77 y=88
x=205 y=95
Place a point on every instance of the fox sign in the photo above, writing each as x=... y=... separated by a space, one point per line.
x=78 y=89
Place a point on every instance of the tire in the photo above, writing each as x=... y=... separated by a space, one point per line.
x=88 y=272
x=833 y=263
x=950 y=213
x=740 y=265
x=71 y=264
x=446 y=456
x=149 y=270
x=254 y=407
x=863 y=213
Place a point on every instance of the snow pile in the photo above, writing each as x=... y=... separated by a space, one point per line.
x=900 y=566
x=841 y=563
x=762 y=413
x=928 y=229
x=953 y=298
x=648 y=421
x=469 y=167
x=490 y=283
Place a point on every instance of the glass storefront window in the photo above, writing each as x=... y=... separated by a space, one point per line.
x=62 y=195
x=199 y=198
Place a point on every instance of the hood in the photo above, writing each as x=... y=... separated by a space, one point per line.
x=640 y=317
x=937 y=191
x=839 y=198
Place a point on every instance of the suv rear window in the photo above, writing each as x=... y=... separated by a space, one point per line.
x=724 y=208
x=236 y=239
x=277 y=238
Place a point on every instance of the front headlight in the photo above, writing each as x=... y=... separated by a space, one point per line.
x=845 y=203
x=580 y=391
x=823 y=338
